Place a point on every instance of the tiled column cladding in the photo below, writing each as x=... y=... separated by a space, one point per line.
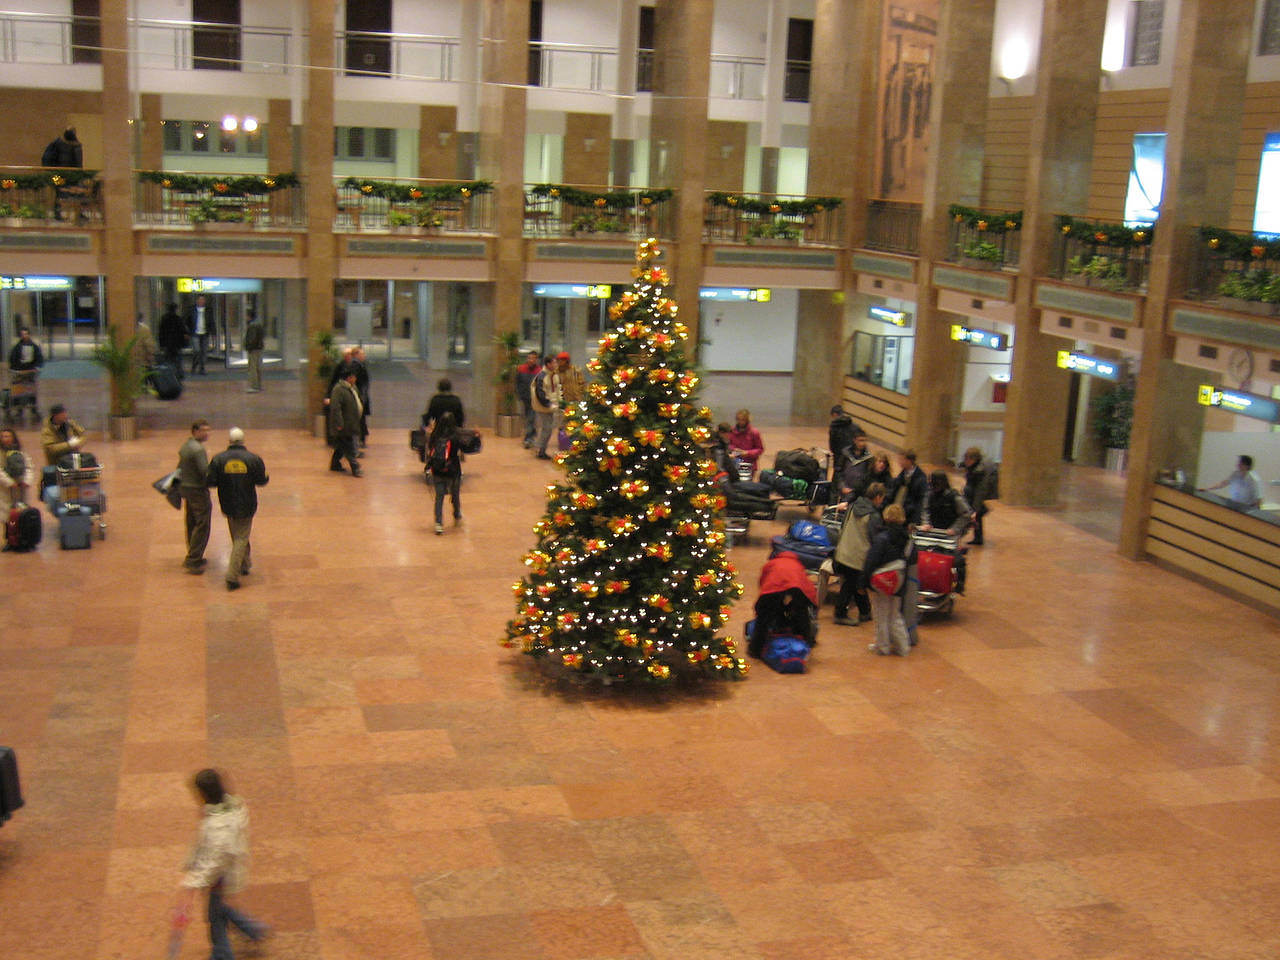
x=317 y=151
x=117 y=168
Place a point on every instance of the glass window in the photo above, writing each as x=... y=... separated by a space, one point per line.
x=884 y=361
x=1266 y=214
x=204 y=137
x=199 y=137
x=1269 y=35
x=364 y=143
x=171 y=133
x=1146 y=180
x=1148 y=23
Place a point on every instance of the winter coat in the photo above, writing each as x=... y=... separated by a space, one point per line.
x=56 y=439
x=861 y=524
x=948 y=511
x=237 y=474
x=891 y=543
x=344 y=411
x=441 y=404
x=221 y=852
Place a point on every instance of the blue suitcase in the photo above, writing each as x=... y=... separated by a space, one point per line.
x=75 y=529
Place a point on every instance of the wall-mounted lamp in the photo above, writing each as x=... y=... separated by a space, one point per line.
x=444 y=136
x=1015 y=59
x=588 y=144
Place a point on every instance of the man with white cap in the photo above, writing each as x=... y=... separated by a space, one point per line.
x=237 y=474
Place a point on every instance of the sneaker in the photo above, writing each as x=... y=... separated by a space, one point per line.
x=876 y=650
x=357 y=472
x=439 y=528
x=196 y=570
x=847 y=621
x=233 y=584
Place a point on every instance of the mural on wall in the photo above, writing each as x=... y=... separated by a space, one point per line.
x=906 y=88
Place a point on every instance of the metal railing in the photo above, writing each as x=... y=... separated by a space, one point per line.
x=990 y=248
x=25 y=202
x=361 y=212
x=893 y=226
x=736 y=78
x=160 y=206
x=172 y=45
x=1247 y=281
x=556 y=216
x=576 y=66
x=1094 y=260
x=48 y=38
x=748 y=223
x=400 y=56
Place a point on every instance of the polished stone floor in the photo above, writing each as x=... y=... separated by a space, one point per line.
x=1084 y=761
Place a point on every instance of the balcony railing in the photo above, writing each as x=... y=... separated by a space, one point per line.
x=400 y=56
x=413 y=206
x=48 y=38
x=1238 y=271
x=42 y=196
x=893 y=226
x=772 y=219
x=1102 y=253
x=236 y=201
x=988 y=239
x=736 y=78
x=560 y=210
x=575 y=66
x=195 y=45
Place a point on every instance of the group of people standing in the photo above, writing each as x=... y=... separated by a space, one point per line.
x=197 y=330
x=545 y=388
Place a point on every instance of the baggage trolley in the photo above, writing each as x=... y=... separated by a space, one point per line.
x=936 y=562
x=81 y=486
x=21 y=395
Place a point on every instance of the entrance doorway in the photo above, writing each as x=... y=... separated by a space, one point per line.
x=64 y=314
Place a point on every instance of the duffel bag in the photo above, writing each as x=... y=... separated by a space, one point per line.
x=798 y=464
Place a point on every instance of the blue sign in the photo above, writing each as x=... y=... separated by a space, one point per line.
x=1090 y=366
x=899 y=318
x=573 y=291
x=736 y=294
x=1237 y=401
x=979 y=338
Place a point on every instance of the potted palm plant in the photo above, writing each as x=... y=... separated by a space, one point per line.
x=510 y=423
x=328 y=362
x=125 y=377
x=1112 y=422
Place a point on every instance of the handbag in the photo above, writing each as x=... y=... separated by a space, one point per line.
x=889 y=578
x=167 y=486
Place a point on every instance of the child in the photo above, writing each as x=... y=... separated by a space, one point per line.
x=444 y=462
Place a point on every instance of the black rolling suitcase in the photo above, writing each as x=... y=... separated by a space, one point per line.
x=165 y=382
x=10 y=791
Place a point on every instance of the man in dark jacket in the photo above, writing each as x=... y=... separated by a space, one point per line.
x=910 y=488
x=172 y=337
x=65 y=151
x=444 y=401
x=255 y=339
x=345 y=410
x=524 y=384
x=948 y=512
x=25 y=360
x=237 y=473
x=861 y=525
x=840 y=436
x=979 y=486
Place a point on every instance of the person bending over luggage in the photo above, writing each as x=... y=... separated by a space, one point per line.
x=16 y=473
x=891 y=543
x=444 y=401
x=947 y=511
x=745 y=443
x=788 y=603
x=61 y=435
x=862 y=523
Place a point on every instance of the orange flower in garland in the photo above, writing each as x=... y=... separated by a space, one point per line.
x=572 y=659
x=610 y=465
x=617 y=586
x=660 y=601
x=662 y=375
x=669 y=410
x=623 y=525
x=656 y=512
x=660 y=550
x=676 y=472
x=626 y=410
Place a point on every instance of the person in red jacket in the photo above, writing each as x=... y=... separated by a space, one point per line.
x=744 y=441
x=788 y=603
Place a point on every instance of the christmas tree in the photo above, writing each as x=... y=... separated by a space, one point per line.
x=629 y=578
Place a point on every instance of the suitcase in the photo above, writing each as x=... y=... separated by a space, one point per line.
x=10 y=788
x=810 y=555
x=165 y=382
x=469 y=441
x=75 y=529
x=24 y=528
x=937 y=571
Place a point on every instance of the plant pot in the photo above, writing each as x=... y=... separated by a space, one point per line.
x=1117 y=459
x=124 y=428
x=510 y=425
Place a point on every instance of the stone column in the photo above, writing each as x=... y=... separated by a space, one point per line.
x=775 y=79
x=280 y=157
x=496 y=307
x=469 y=77
x=1206 y=110
x=317 y=151
x=1058 y=170
x=152 y=152
x=677 y=152
x=623 y=145
x=842 y=104
x=586 y=149
x=117 y=169
x=957 y=134
x=437 y=142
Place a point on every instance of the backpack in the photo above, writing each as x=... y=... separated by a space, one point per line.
x=24 y=528
x=785 y=654
x=806 y=531
x=438 y=462
x=797 y=464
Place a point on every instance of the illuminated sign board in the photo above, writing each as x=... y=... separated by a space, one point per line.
x=35 y=283
x=1090 y=366
x=574 y=291
x=979 y=338
x=899 y=318
x=1237 y=401
x=218 y=285
x=736 y=294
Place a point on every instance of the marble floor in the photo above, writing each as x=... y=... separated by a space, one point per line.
x=1083 y=762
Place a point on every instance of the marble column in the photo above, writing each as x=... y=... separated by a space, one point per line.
x=317 y=151
x=775 y=79
x=151 y=156
x=1206 y=112
x=280 y=158
x=957 y=135
x=843 y=88
x=622 y=147
x=1058 y=172
x=677 y=152
x=496 y=307
x=467 y=140
x=120 y=263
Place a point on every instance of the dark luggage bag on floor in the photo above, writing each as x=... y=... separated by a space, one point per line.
x=75 y=529
x=24 y=528
x=10 y=788
x=165 y=382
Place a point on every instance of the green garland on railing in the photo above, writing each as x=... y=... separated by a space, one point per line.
x=232 y=185
x=46 y=178
x=986 y=221
x=608 y=200
x=1240 y=246
x=416 y=192
x=782 y=208
x=1104 y=234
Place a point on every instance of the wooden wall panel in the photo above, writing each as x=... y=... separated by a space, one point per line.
x=880 y=412
x=1121 y=114
x=1004 y=173
x=1261 y=116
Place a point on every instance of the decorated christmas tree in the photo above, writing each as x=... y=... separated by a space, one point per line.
x=629 y=578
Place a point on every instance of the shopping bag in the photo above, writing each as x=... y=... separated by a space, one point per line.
x=889 y=578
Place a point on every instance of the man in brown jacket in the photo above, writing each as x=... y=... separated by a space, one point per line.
x=345 y=411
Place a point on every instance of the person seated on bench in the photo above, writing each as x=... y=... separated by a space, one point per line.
x=60 y=436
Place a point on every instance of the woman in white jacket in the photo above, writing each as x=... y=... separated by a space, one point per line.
x=219 y=862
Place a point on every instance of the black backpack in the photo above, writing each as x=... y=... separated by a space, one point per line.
x=797 y=464
x=438 y=463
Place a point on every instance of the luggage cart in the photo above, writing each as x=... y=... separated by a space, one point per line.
x=22 y=395
x=81 y=486
x=936 y=562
